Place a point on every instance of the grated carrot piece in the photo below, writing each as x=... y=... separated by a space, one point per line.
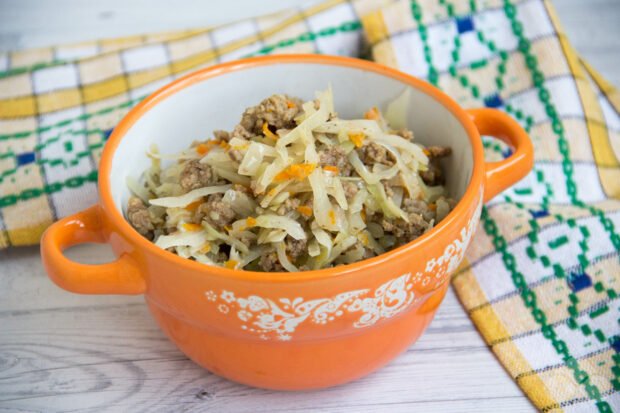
x=372 y=114
x=305 y=210
x=432 y=207
x=231 y=264
x=357 y=138
x=250 y=222
x=282 y=176
x=290 y=104
x=193 y=206
x=267 y=132
x=296 y=171
x=188 y=226
x=224 y=145
x=332 y=169
x=301 y=171
x=205 y=248
x=202 y=148
x=426 y=152
x=332 y=217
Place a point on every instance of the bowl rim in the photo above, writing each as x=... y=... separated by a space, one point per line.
x=119 y=222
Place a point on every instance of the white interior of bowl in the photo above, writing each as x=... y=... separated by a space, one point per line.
x=218 y=102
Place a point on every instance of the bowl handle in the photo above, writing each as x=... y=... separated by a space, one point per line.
x=118 y=277
x=502 y=175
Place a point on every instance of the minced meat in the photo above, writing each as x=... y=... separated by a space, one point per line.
x=416 y=206
x=434 y=175
x=289 y=205
x=372 y=153
x=295 y=248
x=241 y=133
x=405 y=231
x=350 y=189
x=405 y=133
x=196 y=175
x=139 y=217
x=279 y=111
x=389 y=192
x=269 y=262
x=336 y=156
x=221 y=135
x=215 y=211
x=438 y=151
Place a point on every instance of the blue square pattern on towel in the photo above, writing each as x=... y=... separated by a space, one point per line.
x=579 y=281
x=539 y=214
x=25 y=158
x=493 y=101
x=464 y=24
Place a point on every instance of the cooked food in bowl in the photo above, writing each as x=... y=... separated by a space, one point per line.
x=291 y=188
x=282 y=330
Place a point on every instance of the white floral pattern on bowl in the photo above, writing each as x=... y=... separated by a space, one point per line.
x=279 y=319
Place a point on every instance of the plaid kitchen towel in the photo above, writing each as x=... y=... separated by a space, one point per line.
x=58 y=105
x=542 y=276
x=543 y=272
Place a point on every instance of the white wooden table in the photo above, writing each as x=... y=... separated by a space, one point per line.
x=63 y=352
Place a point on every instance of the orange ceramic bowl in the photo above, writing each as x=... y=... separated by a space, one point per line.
x=287 y=330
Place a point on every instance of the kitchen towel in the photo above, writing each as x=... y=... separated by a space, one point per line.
x=542 y=276
x=543 y=272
